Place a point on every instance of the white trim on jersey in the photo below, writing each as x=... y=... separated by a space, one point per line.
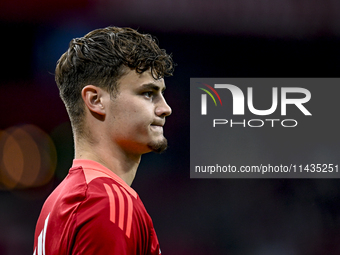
x=41 y=239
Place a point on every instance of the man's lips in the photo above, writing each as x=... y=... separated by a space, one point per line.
x=158 y=123
x=157 y=126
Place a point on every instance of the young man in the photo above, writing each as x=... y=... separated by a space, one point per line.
x=111 y=81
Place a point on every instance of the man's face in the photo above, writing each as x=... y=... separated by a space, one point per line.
x=137 y=113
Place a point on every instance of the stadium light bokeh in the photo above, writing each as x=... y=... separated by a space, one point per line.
x=28 y=157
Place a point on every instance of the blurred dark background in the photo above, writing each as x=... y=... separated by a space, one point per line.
x=217 y=38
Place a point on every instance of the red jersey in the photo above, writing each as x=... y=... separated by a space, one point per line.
x=93 y=211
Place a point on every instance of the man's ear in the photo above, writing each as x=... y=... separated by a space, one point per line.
x=93 y=99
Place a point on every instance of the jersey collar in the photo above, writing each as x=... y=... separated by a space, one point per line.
x=94 y=170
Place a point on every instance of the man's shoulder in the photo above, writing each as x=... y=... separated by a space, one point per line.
x=97 y=175
x=86 y=183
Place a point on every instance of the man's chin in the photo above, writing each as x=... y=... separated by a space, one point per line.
x=158 y=146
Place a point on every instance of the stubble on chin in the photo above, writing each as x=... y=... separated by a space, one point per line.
x=159 y=146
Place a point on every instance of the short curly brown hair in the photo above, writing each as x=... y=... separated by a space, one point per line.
x=99 y=58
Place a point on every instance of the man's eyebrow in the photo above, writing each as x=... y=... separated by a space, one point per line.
x=152 y=86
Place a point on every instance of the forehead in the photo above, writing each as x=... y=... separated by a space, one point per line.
x=133 y=80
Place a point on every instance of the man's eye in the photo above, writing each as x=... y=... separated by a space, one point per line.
x=148 y=94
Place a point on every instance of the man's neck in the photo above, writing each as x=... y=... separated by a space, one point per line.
x=120 y=163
